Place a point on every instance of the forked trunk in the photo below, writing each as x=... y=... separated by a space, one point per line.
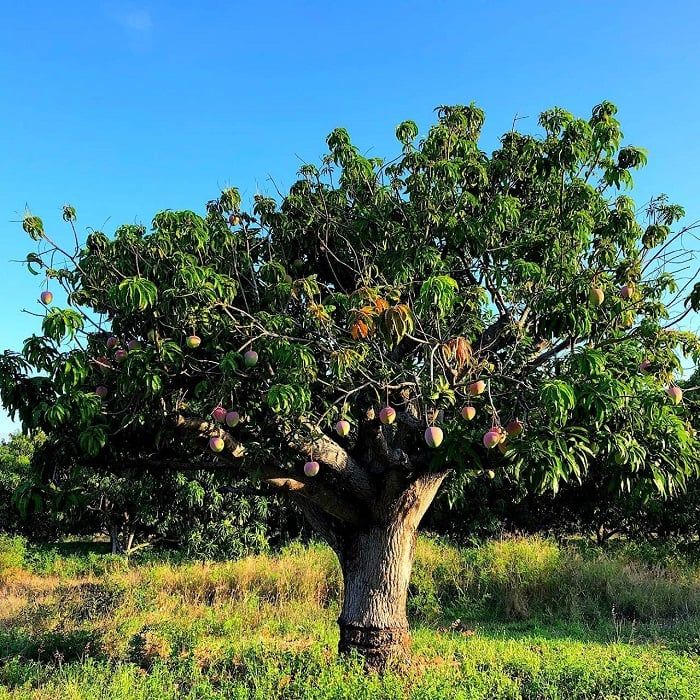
x=376 y=563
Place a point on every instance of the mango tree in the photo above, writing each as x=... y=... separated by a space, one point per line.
x=201 y=512
x=383 y=326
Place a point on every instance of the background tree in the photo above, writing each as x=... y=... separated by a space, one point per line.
x=15 y=467
x=345 y=327
x=203 y=513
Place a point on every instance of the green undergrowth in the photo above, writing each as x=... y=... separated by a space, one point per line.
x=513 y=618
x=444 y=667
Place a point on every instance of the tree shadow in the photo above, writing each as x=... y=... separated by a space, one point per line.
x=61 y=626
x=50 y=646
x=73 y=548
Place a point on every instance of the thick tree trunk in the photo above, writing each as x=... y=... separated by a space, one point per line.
x=376 y=563
x=121 y=539
x=376 y=567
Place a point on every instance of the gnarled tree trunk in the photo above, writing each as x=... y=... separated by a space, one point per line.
x=367 y=506
x=376 y=562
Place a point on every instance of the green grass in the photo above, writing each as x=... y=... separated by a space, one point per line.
x=518 y=618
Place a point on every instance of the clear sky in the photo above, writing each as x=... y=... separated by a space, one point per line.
x=125 y=108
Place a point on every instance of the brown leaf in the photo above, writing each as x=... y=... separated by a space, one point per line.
x=359 y=329
x=381 y=305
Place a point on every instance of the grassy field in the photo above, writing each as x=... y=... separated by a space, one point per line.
x=518 y=618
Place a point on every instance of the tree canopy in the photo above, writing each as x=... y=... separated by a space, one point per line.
x=374 y=283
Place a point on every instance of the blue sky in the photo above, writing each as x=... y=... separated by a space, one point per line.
x=123 y=109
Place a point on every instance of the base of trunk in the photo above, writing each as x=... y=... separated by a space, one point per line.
x=379 y=646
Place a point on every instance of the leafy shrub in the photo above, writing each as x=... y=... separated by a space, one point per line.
x=12 y=552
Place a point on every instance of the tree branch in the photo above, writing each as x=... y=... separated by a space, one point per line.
x=323 y=498
x=331 y=499
x=338 y=462
x=486 y=339
x=541 y=359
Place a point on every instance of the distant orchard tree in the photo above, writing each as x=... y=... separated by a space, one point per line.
x=15 y=465
x=202 y=512
x=383 y=326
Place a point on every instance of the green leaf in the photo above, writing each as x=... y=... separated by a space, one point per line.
x=92 y=440
x=62 y=323
x=137 y=293
x=437 y=295
x=558 y=398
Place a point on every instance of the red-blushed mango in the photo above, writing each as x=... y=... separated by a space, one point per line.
x=478 y=387
x=627 y=291
x=232 y=419
x=311 y=468
x=491 y=438
x=101 y=391
x=515 y=427
x=193 y=341
x=120 y=355
x=219 y=414
x=468 y=412
x=433 y=436
x=387 y=415
x=342 y=427
x=46 y=297
x=676 y=394
x=216 y=444
x=250 y=359
x=112 y=342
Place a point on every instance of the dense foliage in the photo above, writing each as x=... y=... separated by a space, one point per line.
x=15 y=466
x=370 y=283
x=203 y=514
x=46 y=496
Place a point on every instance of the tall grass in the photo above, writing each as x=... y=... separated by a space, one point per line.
x=12 y=553
x=509 y=579
x=298 y=574
x=523 y=577
x=512 y=618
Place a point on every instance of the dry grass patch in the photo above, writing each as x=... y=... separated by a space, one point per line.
x=297 y=574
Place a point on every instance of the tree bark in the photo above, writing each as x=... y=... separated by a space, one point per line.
x=376 y=566
x=114 y=539
x=376 y=562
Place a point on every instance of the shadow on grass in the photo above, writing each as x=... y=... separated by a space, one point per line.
x=75 y=548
